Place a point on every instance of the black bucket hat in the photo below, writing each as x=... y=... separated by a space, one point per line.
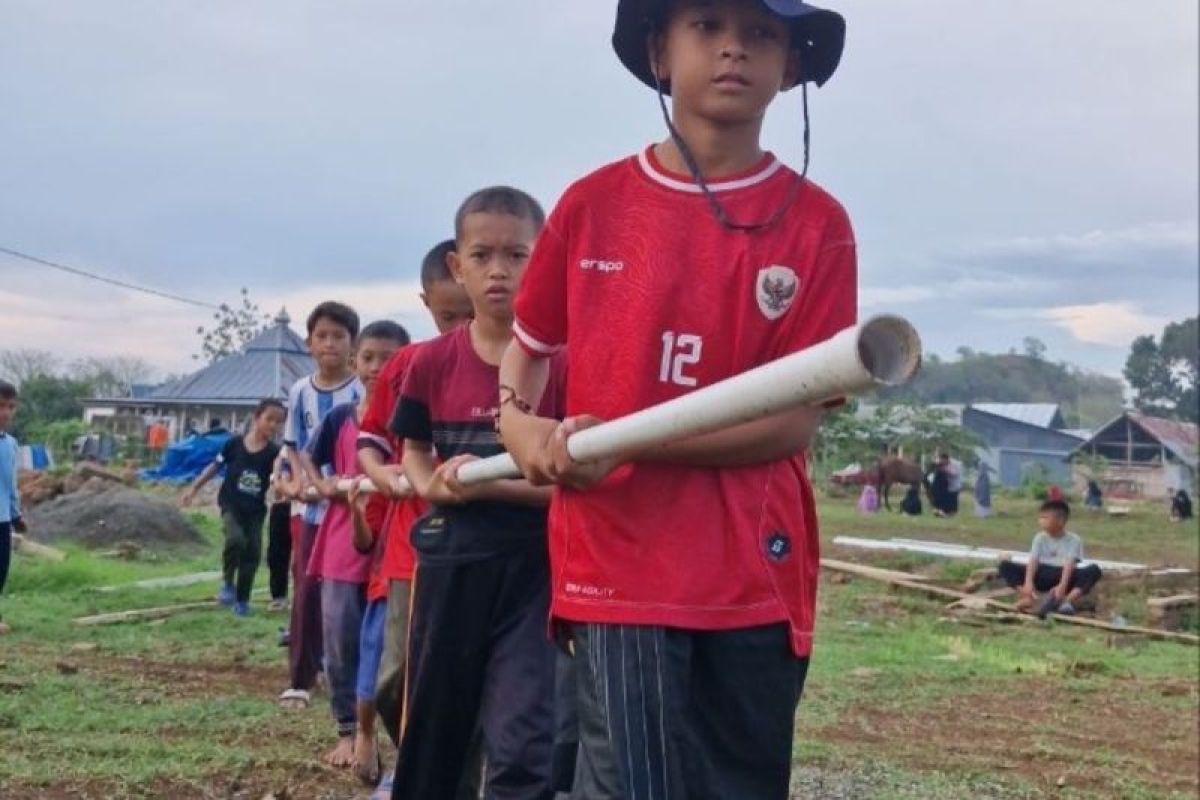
x=817 y=33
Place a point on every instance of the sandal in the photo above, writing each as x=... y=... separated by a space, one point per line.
x=301 y=698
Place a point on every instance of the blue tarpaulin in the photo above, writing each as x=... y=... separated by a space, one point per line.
x=36 y=456
x=184 y=460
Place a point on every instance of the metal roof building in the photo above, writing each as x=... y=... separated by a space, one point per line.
x=226 y=390
x=1146 y=455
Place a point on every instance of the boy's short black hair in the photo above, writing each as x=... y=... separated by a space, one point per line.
x=268 y=402
x=7 y=390
x=1057 y=505
x=387 y=330
x=500 y=200
x=434 y=267
x=337 y=313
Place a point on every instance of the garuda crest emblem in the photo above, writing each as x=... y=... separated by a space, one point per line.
x=775 y=290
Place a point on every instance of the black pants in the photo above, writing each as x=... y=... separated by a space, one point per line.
x=688 y=715
x=1047 y=577
x=479 y=656
x=5 y=551
x=243 y=549
x=279 y=548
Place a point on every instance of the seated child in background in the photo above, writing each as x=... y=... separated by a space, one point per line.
x=248 y=461
x=1053 y=565
x=341 y=569
x=911 y=504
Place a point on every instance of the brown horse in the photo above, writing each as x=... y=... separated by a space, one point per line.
x=894 y=469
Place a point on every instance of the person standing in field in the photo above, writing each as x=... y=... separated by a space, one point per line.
x=248 y=462
x=686 y=575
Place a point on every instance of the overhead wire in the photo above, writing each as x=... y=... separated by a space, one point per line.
x=106 y=279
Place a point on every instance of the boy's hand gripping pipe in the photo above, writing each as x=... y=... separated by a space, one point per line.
x=883 y=350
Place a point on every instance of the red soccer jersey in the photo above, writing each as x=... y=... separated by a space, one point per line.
x=378 y=513
x=653 y=297
x=398 y=560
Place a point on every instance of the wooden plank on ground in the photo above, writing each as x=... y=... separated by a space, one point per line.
x=1175 y=601
x=26 y=546
x=851 y=568
x=982 y=602
x=141 y=614
x=172 y=582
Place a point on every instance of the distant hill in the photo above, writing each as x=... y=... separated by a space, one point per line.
x=1088 y=399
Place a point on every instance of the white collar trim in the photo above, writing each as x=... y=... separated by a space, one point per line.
x=772 y=166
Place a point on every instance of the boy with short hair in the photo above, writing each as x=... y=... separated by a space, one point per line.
x=1054 y=565
x=332 y=330
x=336 y=563
x=479 y=654
x=687 y=576
x=380 y=455
x=248 y=462
x=10 y=495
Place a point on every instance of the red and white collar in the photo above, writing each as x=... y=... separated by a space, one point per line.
x=760 y=172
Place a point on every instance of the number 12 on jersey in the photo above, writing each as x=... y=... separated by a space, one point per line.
x=680 y=350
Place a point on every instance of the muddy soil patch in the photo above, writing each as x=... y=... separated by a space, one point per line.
x=1040 y=729
x=110 y=516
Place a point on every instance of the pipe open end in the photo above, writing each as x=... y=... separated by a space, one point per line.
x=890 y=349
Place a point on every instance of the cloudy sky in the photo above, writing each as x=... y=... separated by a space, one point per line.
x=1026 y=168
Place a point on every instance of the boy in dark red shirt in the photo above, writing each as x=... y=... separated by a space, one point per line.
x=687 y=575
x=478 y=651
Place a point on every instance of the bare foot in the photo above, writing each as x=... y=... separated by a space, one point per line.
x=1025 y=604
x=343 y=754
x=366 y=758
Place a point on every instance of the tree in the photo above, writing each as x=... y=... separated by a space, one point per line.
x=1035 y=348
x=46 y=399
x=20 y=364
x=232 y=328
x=920 y=431
x=112 y=376
x=1163 y=373
x=1088 y=399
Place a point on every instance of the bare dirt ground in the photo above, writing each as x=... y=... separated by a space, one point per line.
x=1044 y=734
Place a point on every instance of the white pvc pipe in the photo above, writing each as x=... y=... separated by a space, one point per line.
x=882 y=351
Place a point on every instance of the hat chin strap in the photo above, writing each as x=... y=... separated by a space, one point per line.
x=694 y=167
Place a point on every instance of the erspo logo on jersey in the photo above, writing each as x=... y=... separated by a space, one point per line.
x=600 y=265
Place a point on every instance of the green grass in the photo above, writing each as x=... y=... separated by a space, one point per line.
x=892 y=677
x=1144 y=536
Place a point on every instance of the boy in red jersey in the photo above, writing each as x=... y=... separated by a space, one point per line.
x=379 y=453
x=686 y=576
x=479 y=657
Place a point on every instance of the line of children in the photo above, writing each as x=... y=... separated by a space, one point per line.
x=248 y=462
x=339 y=568
x=10 y=496
x=332 y=330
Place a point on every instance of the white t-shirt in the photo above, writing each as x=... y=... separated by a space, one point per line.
x=1056 y=551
